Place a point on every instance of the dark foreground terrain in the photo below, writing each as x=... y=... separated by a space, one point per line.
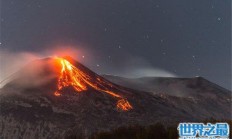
x=155 y=131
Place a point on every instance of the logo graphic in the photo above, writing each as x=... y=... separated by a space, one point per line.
x=203 y=131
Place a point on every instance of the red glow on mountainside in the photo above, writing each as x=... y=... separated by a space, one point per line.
x=71 y=76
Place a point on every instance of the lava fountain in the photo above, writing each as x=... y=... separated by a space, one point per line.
x=69 y=75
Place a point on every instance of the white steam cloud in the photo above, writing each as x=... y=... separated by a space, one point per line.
x=148 y=72
x=136 y=67
x=11 y=62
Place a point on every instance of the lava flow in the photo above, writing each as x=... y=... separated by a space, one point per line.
x=80 y=81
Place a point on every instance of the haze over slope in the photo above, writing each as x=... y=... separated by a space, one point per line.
x=182 y=87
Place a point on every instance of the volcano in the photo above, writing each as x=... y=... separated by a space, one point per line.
x=57 y=97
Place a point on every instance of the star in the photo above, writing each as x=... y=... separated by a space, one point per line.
x=83 y=56
x=219 y=18
x=194 y=57
x=147 y=36
x=119 y=47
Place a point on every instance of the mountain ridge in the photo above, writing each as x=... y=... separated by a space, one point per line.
x=31 y=109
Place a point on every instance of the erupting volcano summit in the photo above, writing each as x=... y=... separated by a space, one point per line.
x=71 y=76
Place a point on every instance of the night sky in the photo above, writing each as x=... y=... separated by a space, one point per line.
x=132 y=38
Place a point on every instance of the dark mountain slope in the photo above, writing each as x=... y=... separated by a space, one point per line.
x=43 y=102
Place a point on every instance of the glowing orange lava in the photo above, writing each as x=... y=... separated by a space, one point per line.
x=124 y=105
x=80 y=81
x=70 y=76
